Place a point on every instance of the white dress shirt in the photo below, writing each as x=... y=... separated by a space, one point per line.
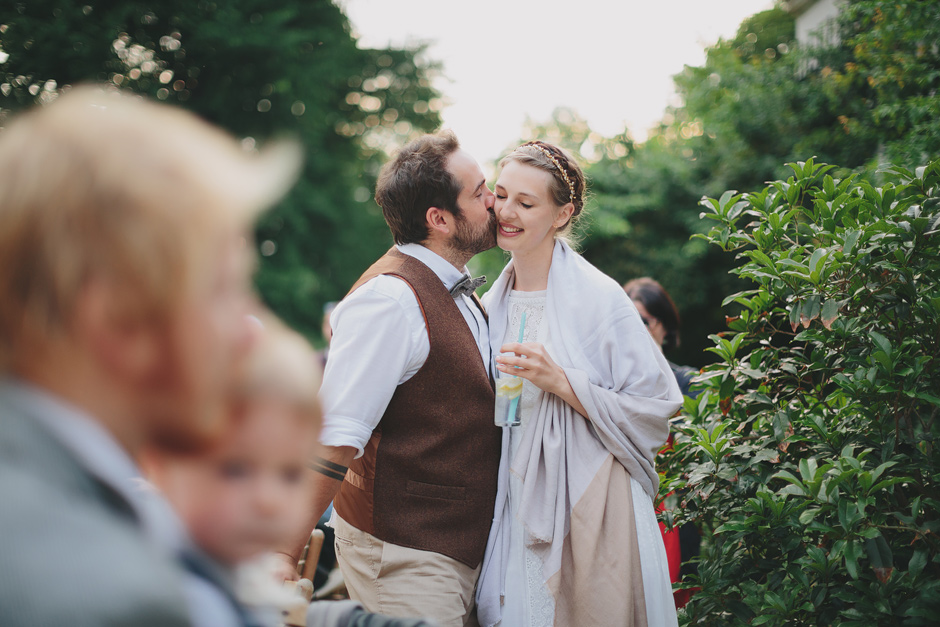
x=380 y=340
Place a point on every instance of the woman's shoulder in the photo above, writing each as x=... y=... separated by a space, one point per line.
x=594 y=302
x=498 y=287
x=684 y=375
x=591 y=279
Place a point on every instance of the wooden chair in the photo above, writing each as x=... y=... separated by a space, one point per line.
x=306 y=569
x=307 y=564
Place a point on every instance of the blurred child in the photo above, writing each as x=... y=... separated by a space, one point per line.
x=250 y=491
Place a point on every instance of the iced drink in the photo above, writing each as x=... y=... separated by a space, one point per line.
x=508 y=393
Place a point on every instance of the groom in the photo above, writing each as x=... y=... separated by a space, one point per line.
x=412 y=452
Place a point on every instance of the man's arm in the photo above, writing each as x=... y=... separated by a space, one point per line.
x=327 y=472
x=379 y=340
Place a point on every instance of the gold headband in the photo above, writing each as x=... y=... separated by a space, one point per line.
x=557 y=165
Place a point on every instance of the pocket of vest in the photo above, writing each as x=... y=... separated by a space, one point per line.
x=434 y=491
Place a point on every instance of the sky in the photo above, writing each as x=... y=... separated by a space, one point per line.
x=611 y=61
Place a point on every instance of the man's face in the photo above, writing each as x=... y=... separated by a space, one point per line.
x=207 y=338
x=475 y=229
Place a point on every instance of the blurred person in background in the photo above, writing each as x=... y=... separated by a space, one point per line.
x=661 y=318
x=124 y=289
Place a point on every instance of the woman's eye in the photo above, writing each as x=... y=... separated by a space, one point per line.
x=525 y=206
x=500 y=196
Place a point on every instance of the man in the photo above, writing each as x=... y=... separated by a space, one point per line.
x=124 y=289
x=407 y=392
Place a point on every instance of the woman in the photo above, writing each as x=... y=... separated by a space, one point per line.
x=661 y=318
x=574 y=538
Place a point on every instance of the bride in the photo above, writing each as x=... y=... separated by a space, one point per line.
x=574 y=538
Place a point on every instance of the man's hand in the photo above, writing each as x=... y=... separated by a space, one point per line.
x=285 y=568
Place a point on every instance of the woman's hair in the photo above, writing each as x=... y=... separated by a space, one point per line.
x=101 y=183
x=656 y=300
x=568 y=184
x=413 y=182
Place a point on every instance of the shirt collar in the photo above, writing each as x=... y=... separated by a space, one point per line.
x=445 y=270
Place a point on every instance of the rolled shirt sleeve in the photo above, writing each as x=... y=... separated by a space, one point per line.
x=379 y=341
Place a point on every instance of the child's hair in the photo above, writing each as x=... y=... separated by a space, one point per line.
x=282 y=365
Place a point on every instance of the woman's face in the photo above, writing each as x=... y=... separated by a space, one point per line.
x=528 y=217
x=656 y=328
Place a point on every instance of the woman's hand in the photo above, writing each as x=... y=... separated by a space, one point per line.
x=533 y=363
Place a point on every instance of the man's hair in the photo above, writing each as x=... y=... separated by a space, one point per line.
x=413 y=182
x=99 y=184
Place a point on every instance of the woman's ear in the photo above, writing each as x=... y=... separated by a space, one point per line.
x=564 y=216
x=109 y=321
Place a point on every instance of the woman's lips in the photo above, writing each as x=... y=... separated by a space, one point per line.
x=509 y=230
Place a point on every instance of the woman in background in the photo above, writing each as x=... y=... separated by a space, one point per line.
x=661 y=318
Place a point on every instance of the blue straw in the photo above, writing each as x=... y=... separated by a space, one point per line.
x=515 y=401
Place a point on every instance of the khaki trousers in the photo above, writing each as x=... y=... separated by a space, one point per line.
x=404 y=582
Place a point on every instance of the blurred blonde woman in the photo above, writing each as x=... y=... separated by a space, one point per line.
x=574 y=539
x=124 y=282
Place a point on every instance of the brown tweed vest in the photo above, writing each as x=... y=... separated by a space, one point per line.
x=427 y=478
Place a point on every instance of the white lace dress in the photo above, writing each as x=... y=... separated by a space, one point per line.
x=528 y=602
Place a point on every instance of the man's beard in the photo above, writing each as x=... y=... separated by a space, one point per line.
x=472 y=240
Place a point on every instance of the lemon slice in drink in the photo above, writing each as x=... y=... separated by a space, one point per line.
x=509 y=387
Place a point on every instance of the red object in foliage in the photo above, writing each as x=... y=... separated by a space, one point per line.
x=673 y=555
x=673 y=551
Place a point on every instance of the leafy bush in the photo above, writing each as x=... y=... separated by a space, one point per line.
x=811 y=457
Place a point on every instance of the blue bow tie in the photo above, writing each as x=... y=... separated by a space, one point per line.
x=467 y=286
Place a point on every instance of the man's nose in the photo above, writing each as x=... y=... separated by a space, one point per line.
x=490 y=199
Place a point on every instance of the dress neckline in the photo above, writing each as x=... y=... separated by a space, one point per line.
x=520 y=294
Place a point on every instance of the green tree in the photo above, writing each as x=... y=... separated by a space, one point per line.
x=754 y=106
x=642 y=216
x=258 y=68
x=760 y=101
x=894 y=71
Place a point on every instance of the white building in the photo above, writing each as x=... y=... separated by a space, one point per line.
x=815 y=21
